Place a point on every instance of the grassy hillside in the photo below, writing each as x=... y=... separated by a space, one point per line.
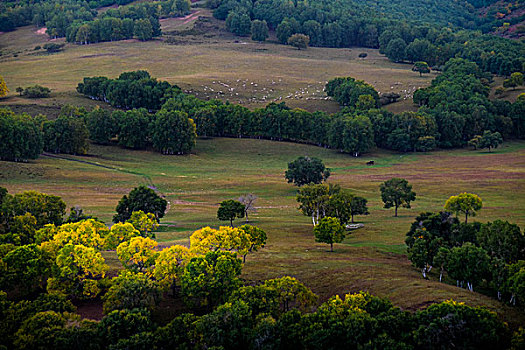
x=372 y=258
x=203 y=59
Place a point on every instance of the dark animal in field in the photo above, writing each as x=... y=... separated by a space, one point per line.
x=370 y=162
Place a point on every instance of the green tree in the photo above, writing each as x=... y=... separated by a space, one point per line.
x=421 y=67
x=173 y=132
x=329 y=230
x=229 y=210
x=47 y=209
x=211 y=279
x=102 y=125
x=22 y=136
x=3 y=87
x=169 y=266
x=305 y=170
x=469 y=264
x=259 y=30
x=140 y=198
x=397 y=193
x=257 y=238
x=300 y=41
x=358 y=206
x=77 y=270
x=466 y=203
x=490 y=140
x=313 y=199
x=292 y=293
x=143 y=29
x=25 y=268
x=395 y=49
x=239 y=23
x=502 y=240
x=130 y=290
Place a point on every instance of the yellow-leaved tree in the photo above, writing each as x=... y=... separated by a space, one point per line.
x=3 y=87
x=144 y=222
x=89 y=233
x=78 y=270
x=169 y=266
x=225 y=238
x=138 y=254
x=120 y=232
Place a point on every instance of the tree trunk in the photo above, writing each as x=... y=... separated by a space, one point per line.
x=231 y=223
x=395 y=215
x=246 y=214
x=331 y=247
x=352 y=218
x=466 y=217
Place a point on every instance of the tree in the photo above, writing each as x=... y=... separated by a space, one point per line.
x=119 y=233
x=102 y=125
x=249 y=203
x=338 y=204
x=469 y=264
x=230 y=210
x=256 y=237
x=329 y=230
x=395 y=49
x=140 y=198
x=397 y=193
x=502 y=240
x=239 y=23
x=143 y=29
x=173 y=132
x=421 y=67
x=89 y=233
x=225 y=239
x=300 y=41
x=305 y=170
x=516 y=79
x=467 y=203
x=169 y=266
x=211 y=278
x=25 y=268
x=137 y=254
x=77 y=270
x=130 y=290
x=291 y=293
x=3 y=87
x=145 y=223
x=358 y=206
x=313 y=199
x=47 y=209
x=22 y=136
x=259 y=30
x=490 y=140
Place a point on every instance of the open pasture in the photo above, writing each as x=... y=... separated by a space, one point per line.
x=372 y=258
x=202 y=59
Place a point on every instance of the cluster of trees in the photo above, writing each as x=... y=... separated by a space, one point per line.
x=489 y=256
x=130 y=90
x=79 y=22
x=458 y=102
x=21 y=136
x=140 y=21
x=355 y=23
x=36 y=91
x=59 y=263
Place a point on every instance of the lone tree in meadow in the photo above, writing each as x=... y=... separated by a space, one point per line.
x=421 y=67
x=329 y=230
x=397 y=193
x=490 y=140
x=140 y=198
x=305 y=170
x=466 y=203
x=300 y=41
x=230 y=210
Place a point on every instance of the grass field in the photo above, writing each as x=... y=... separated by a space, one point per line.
x=204 y=60
x=372 y=258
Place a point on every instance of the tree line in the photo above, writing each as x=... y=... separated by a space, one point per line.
x=57 y=263
x=79 y=22
x=395 y=34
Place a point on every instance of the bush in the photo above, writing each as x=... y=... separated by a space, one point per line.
x=53 y=47
x=36 y=91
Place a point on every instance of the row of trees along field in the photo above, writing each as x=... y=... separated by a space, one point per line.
x=47 y=266
x=80 y=23
x=455 y=111
x=392 y=30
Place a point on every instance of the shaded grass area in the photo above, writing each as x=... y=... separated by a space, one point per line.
x=371 y=258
